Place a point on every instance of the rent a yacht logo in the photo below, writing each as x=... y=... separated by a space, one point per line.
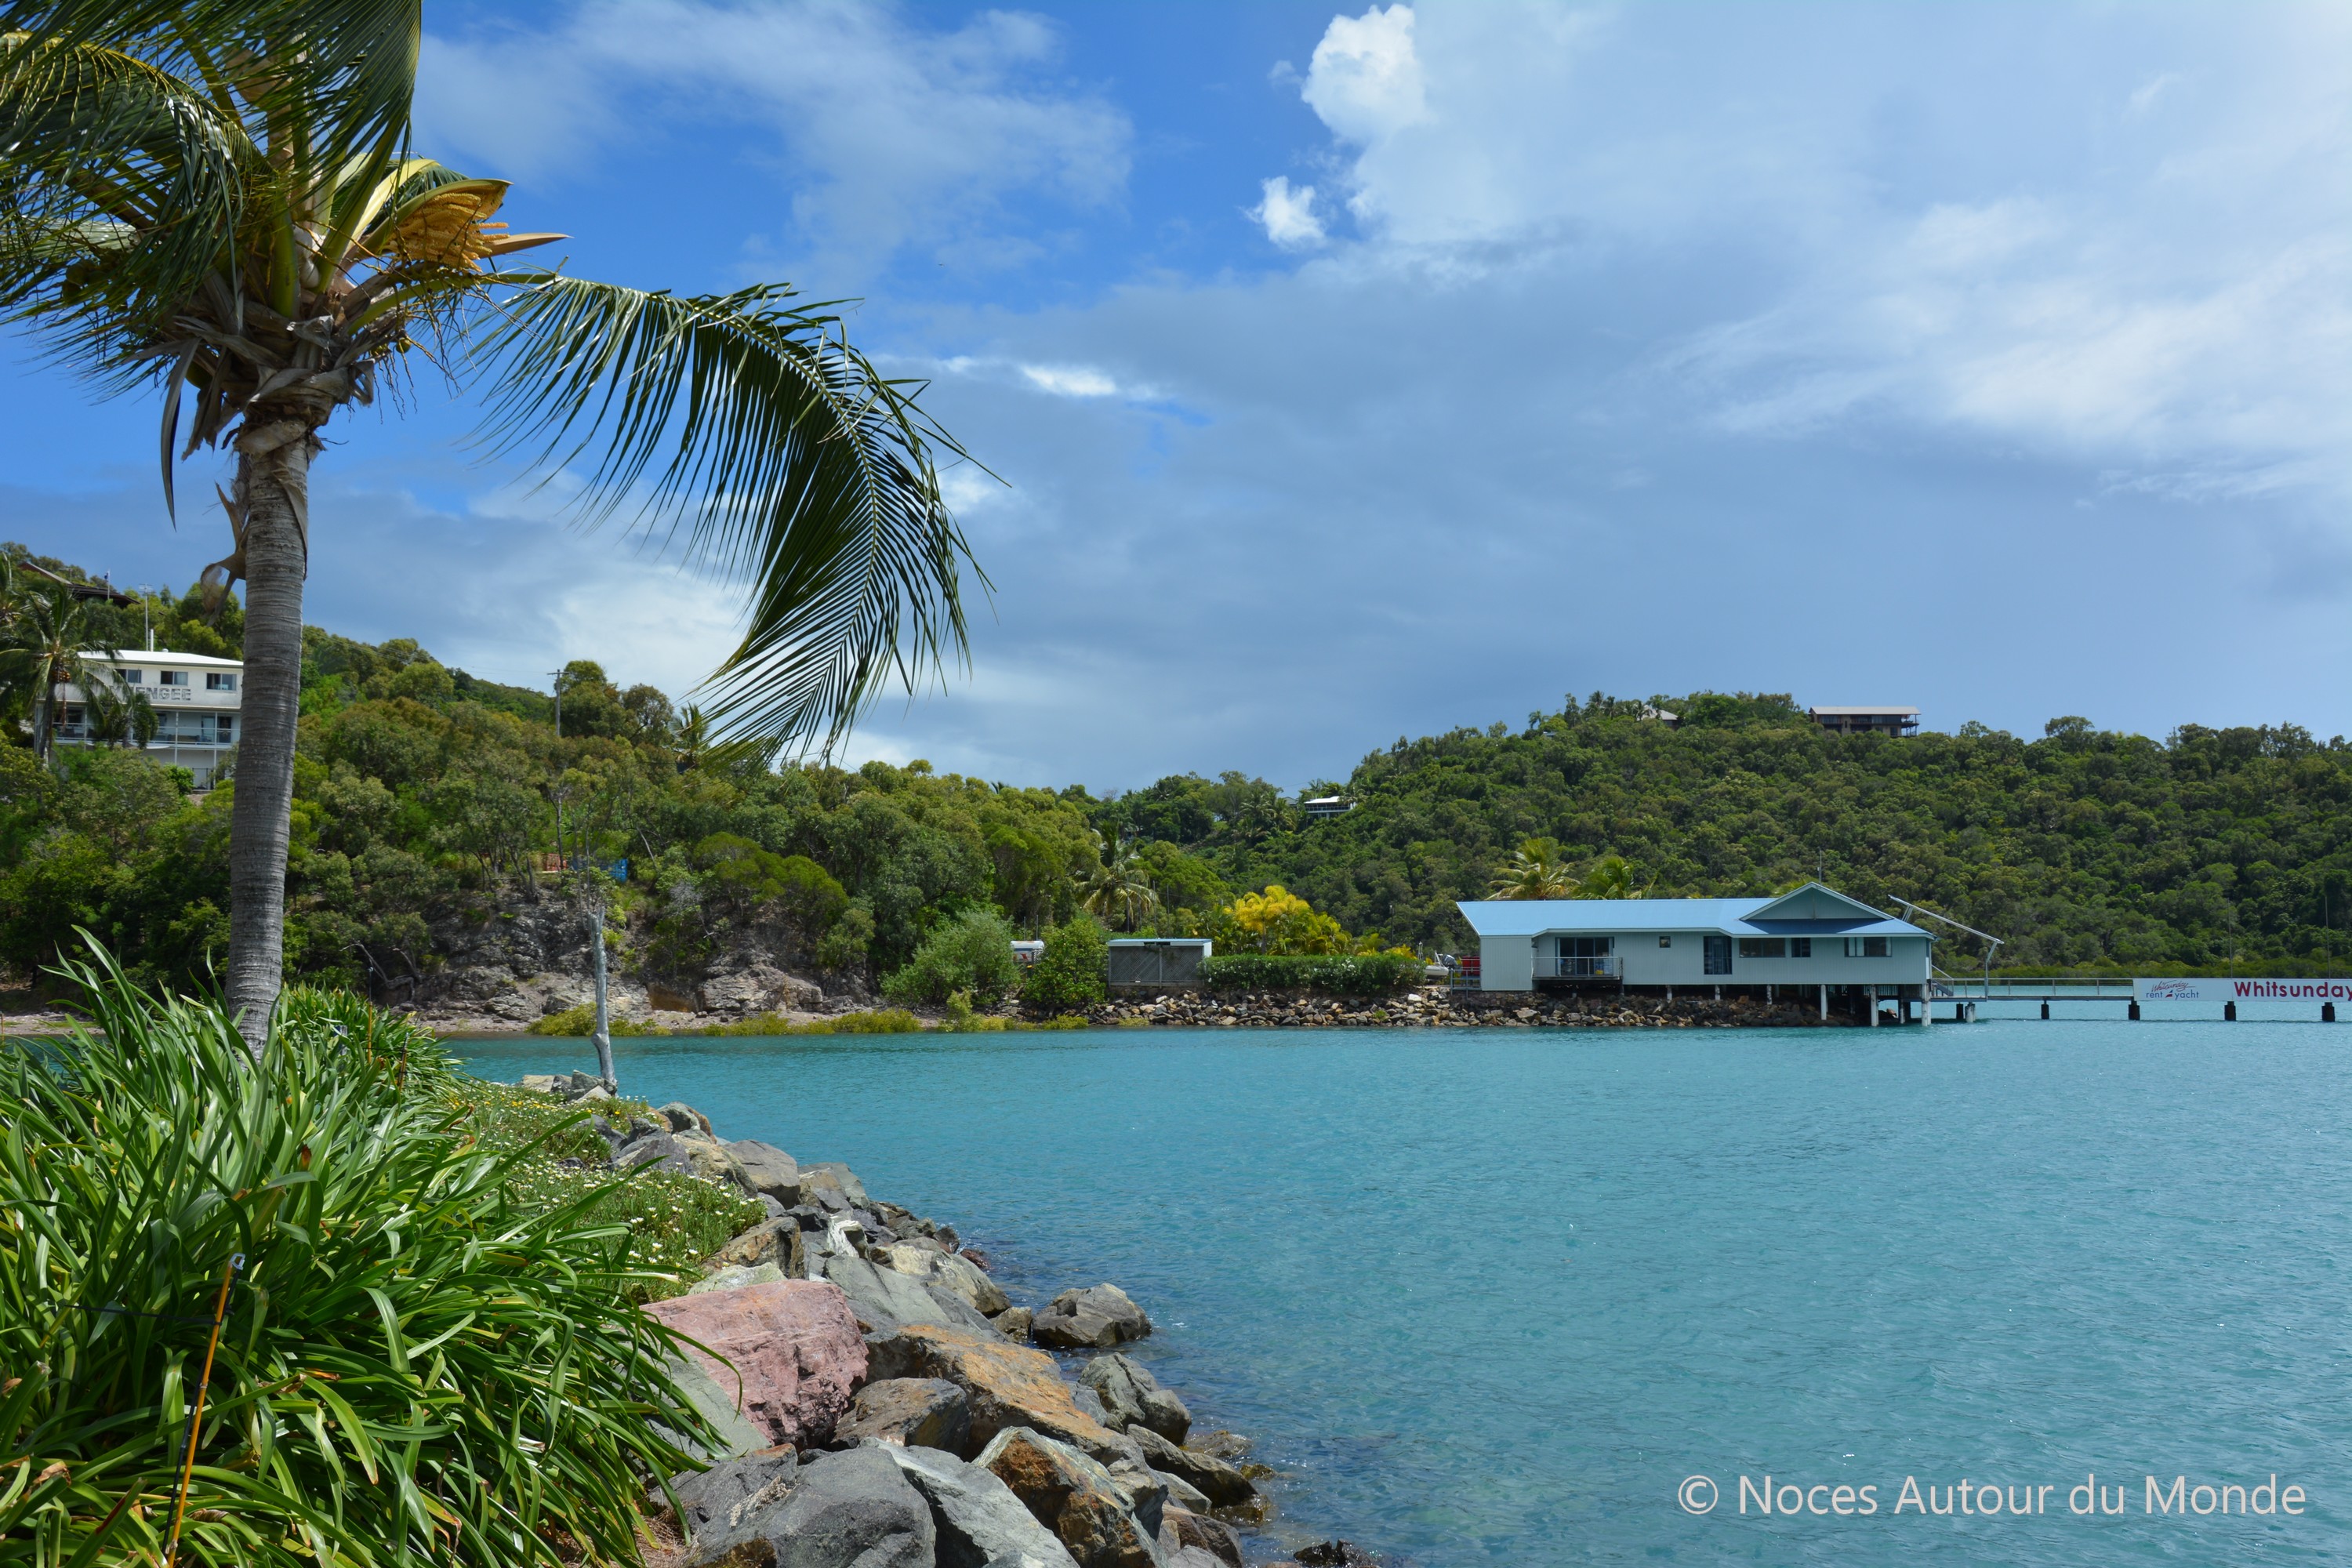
x=2170 y=990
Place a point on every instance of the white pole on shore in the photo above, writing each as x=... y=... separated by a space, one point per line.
x=1825 y=1004
x=603 y=1036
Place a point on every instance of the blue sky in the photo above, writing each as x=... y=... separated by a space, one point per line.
x=1359 y=374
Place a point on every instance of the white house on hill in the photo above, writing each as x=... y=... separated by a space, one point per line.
x=198 y=700
x=1814 y=940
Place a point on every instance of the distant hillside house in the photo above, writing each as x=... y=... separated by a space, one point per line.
x=1860 y=721
x=1814 y=944
x=1329 y=805
x=196 y=699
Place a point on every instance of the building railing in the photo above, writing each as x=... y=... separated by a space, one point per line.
x=1600 y=968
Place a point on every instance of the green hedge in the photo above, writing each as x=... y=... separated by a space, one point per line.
x=1334 y=974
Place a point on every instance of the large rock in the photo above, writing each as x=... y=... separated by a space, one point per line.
x=852 y=1509
x=1009 y=1385
x=706 y=1157
x=1072 y=1496
x=770 y=1241
x=980 y=1523
x=1095 y=1318
x=1144 y=1490
x=887 y=1300
x=913 y=1411
x=684 y=1118
x=794 y=1349
x=768 y=1170
x=924 y=1259
x=837 y=1179
x=1218 y=1481
x=719 y=1509
x=1187 y=1531
x=1015 y=1324
x=660 y=1149
x=1133 y=1397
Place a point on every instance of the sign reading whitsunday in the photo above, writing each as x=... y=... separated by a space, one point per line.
x=2243 y=990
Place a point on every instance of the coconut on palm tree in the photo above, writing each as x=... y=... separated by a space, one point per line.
x=215 y=199
x=1535 y=871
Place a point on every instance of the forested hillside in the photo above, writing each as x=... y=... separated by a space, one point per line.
x=426 y=794
x=2082 y=847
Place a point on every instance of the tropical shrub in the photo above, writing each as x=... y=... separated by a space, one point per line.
x=881 y=1021
x=418 y=1362
x=971 y=953
x=1334 y=974
x=1074 y=971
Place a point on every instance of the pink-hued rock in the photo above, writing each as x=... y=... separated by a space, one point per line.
x=793 y=1345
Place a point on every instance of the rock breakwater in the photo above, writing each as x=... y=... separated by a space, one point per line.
x=879 y=1400
x=1438 y=1007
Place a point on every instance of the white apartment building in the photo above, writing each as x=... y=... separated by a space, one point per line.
x=196 y=700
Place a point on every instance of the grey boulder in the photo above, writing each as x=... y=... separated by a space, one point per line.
x=768 y=1170
x=835 y=1179
x=885 y=1298
x=1095 y=1318
x=850 y=1509
x=912 y=1412
x=660 y=1149
x=1133 y=1397
x=683 y=1118
x=1217 y=1480
x=925 y=1259
x=1189 y=1529
x=980 y=1522
x=719 y=1509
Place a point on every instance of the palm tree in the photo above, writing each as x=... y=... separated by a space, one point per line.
x=1611 y=877
x=1535 y=871
x=215 y=198
x=117 y=715
x=1119 y=889
x=47 y=633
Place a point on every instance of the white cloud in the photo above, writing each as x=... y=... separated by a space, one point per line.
x=1070 y=380
x=1364 y=82
x=892 y=134
x=1288 y=215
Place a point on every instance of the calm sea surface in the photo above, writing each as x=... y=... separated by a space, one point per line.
x=1491 y=1297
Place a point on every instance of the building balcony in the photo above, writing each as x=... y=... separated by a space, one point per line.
x=1608 y=967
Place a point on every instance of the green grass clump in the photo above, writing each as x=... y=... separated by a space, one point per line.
x=428 y=1355
x=580 y=1023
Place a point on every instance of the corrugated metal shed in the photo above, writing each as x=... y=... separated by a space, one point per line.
x=1812 y=911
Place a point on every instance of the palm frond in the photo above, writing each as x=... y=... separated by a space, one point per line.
x=123 y=188
x=343 y=68
x=782 y=453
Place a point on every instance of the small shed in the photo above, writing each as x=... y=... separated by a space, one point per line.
x=1156 y=960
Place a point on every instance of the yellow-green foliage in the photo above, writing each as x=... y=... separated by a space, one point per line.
x=579 y=1023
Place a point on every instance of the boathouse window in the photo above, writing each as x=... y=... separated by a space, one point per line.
x=1763 y=947
x=215 y=681
x=1800 y=947
x=131 y=677
x=1717 y=955
x=1865 y=947
x=174 y=678
x=1665 y=941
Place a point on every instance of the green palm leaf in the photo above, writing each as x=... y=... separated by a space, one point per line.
x=782 y=455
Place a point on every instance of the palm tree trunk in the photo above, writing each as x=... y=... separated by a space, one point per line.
x=272 y=482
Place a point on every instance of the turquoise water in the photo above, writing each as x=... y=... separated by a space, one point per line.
x=1491 y=1296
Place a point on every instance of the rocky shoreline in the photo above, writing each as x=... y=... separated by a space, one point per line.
x=884 y=1404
